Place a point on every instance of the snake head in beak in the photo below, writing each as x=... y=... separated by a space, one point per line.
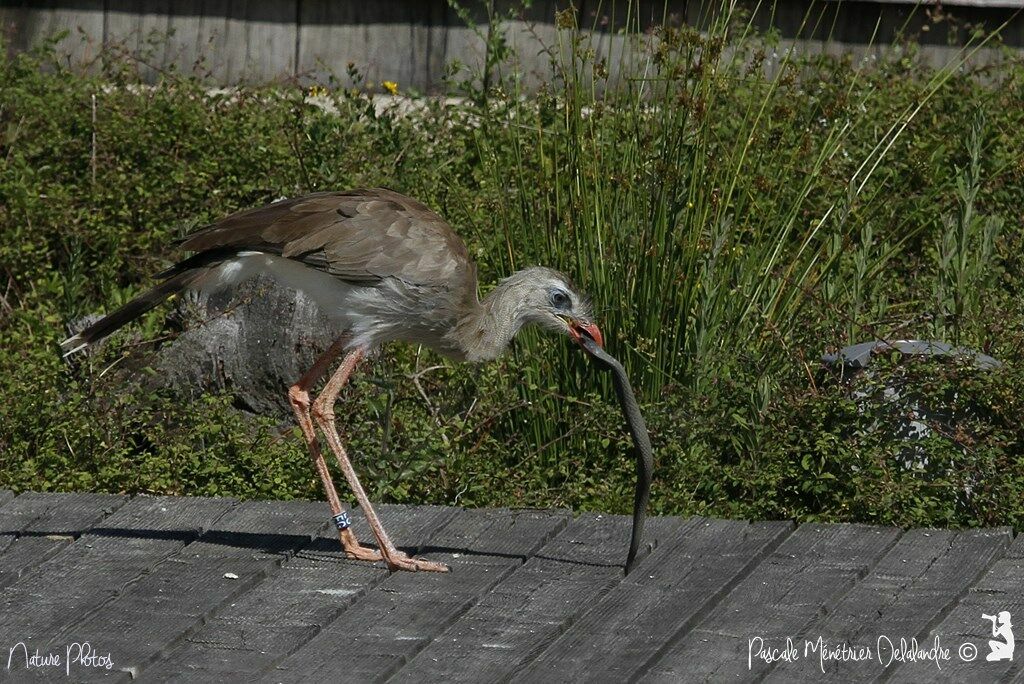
x=584 y=333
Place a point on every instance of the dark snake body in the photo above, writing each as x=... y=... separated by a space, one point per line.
x=641 y=442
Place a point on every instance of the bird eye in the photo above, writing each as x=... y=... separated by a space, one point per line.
x=559 y=300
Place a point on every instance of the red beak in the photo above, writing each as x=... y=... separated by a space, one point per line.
x=578 y=329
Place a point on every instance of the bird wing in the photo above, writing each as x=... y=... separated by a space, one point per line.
x=359 y=236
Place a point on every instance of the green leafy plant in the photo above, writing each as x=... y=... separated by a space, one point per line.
x=733 y=207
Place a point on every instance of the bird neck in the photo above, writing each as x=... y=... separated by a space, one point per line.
x=486 y=331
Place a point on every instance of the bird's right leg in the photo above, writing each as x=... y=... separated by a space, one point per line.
x=323 y=412
x=298 y=397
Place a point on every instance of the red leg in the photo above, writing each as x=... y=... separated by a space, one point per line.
x=323 y=413
x=298 y=396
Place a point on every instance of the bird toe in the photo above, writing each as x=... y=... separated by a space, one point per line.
x=403 y=562
x=364 y=554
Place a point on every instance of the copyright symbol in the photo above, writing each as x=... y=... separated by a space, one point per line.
x=968 y=651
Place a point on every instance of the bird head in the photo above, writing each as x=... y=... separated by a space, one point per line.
x=548 y=298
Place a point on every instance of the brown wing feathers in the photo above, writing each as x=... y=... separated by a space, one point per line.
x=360 y=236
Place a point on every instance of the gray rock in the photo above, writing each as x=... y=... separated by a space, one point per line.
x=253 y=343
x=917 y=420
x=858 y=356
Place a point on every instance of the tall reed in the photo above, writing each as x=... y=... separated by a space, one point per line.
x=666 y=168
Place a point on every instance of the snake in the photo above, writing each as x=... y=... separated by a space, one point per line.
x=641 y=442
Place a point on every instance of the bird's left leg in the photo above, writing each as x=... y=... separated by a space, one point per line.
x=323 y=412
x=298 y=396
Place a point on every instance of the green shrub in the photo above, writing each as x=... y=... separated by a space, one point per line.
x=730 y=225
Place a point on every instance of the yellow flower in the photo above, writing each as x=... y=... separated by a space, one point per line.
x=317 y=90
x=390 y=86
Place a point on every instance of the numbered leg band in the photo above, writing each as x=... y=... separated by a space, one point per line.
x=342 y=521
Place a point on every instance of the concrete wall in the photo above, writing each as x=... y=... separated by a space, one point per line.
x=411 y=41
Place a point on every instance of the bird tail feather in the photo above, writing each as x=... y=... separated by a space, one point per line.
x=130 y=311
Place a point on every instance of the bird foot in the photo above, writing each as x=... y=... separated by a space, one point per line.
x=399 y=561
x=364 y=554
